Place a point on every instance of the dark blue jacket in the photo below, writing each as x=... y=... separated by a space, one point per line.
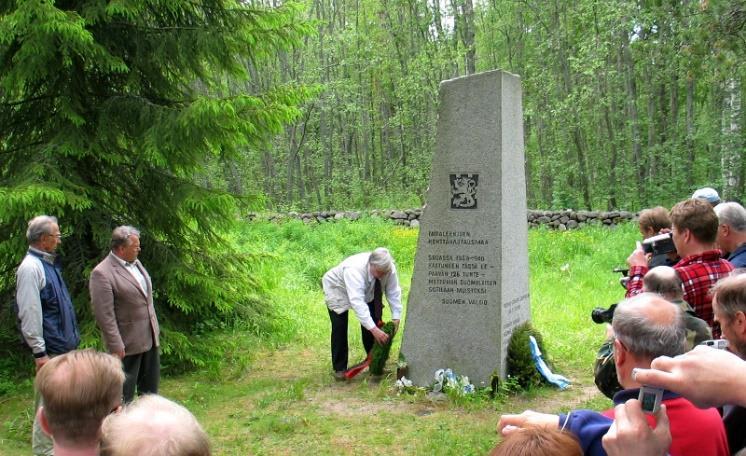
x=590 y=427
x=59 y=324
x=738 y=257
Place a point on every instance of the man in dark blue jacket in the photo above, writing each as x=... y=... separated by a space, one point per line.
x=45 y=309
x=732 y=232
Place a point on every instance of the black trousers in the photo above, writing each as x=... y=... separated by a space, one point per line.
x=340 y=348
x=142 y=371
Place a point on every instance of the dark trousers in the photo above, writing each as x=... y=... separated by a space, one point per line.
x=339 y=344
x=142 y=371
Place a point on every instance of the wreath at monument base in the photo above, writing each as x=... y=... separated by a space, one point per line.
x=380 y=353
x=377 y=357
x=520 y=364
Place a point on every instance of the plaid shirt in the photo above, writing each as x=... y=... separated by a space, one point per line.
x=698 y=274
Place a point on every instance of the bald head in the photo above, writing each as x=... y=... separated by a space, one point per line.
x=665 y=281
x=649 y=326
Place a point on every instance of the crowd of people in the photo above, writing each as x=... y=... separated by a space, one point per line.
x=675 y=300
x=85 y=400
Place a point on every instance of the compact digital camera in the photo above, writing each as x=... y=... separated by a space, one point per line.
x=650 y=399
x=720 y=344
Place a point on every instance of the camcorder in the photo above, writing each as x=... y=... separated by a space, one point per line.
x=660 y=244
x=599 y=315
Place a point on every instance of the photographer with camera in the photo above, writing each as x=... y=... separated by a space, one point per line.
x=645 y=327
x=694 y=230
x=651 y=223
x=655 y=226
x=711 y=377
x=665 y=282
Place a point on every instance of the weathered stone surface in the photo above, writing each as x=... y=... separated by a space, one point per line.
x=470 y=283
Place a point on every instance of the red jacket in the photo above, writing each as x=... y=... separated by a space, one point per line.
x=694 y=431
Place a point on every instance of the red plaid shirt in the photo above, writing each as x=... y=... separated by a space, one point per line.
x=698 y=274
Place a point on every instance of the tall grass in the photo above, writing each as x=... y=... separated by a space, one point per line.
x=570 y=274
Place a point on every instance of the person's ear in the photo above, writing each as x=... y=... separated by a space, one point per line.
x=724 y=230
x=739 y=320
x=620 y=353
x=687 y=235
x=43 y=423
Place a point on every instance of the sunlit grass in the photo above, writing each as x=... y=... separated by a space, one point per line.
x=273 y=393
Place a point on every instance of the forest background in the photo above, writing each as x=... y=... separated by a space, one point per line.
x=179 y=117
x=627 y=104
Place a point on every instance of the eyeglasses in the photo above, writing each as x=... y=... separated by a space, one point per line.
x=58 y=235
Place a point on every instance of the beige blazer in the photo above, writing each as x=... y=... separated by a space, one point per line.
x=123 y=311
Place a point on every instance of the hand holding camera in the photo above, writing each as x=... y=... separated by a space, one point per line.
x=637 y=257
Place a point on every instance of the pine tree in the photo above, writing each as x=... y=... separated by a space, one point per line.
x=109 y=110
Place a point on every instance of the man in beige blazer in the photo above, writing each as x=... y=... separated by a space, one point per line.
x=122 y=300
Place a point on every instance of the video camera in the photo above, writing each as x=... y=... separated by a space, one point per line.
x=660 y=244
x=599 y=315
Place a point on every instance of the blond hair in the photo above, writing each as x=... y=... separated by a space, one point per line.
x=153 y=426
x=79 y=389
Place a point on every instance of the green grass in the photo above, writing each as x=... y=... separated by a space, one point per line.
x=272 y=393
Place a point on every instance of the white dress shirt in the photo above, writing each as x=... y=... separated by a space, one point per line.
x=135 y=271
x=350 y=285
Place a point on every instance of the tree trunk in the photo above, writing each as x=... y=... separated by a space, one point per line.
x=732 y=142
x=633 y=116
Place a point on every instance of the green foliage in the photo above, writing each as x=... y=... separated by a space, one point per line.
x=520 y=363
x=109 y=111
x=380 y=353
x=272 y=394
x=626 y=104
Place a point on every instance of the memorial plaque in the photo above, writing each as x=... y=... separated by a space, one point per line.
x=470 y=283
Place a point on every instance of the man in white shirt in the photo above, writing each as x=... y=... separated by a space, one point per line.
x=358 y=283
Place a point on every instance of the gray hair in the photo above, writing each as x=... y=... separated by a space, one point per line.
x=642 y=335
x=665 y=281
x=730 y=293
x=732 y=214
x=38 y=227
x=121 y=236
x=381 y=260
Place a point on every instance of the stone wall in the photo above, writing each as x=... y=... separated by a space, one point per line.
x=561 y=220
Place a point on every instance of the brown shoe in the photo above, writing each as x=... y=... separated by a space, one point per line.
x=339 y=376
